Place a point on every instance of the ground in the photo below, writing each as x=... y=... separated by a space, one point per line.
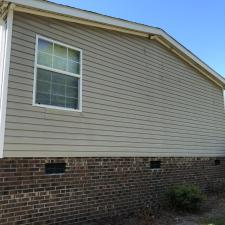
x=212 y=212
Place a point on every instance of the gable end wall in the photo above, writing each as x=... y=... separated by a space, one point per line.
x=139 y=99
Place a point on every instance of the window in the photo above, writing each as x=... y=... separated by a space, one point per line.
x=58 y=75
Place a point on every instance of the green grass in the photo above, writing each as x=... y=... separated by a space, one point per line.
x=213 y=221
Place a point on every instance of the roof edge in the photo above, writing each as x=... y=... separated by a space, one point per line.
x=90 y=18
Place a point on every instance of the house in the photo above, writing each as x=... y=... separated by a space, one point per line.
x=99 y=116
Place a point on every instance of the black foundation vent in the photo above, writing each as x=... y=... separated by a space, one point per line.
x=155 y=164
x=217 y=162
x=55 y=168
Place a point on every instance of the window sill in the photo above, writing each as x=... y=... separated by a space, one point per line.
x=56 y=108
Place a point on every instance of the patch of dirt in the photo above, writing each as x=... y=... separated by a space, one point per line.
x=214 y=206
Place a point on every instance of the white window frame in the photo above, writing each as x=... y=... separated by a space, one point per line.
x=36 y=66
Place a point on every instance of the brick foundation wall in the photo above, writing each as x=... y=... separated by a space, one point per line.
x=93 y=188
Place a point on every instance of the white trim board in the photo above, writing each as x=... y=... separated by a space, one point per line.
x=53 y=10
x=4 y=75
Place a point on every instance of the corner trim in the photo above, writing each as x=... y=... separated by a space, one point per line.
x=5 y=77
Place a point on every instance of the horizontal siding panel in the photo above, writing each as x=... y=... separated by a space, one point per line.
x=152 y=143
x=119 y=115
x=72 y=32
x=152 y=69
x=154 y=65
x=112 y=125
x=107 y=135
x=80 y=140
x=129 y=108
x=158 y=93
x=110 y=135
x=164 y=82
x=179 y=74
x=133 y=84
x=133 y=99
x=121 y=150
x=138 y=99
x=153 y=120
x=105 y=153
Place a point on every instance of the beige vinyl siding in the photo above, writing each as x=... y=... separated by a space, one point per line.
x=139 y=99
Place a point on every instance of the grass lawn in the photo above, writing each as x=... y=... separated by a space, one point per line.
x=214 y=221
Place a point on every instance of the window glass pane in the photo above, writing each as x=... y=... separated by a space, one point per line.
x=73 y=67
x=58 y=100
x=56 y=89
x=73 y=55
x=59 y=63
x=59 y=78
x=45 y=46
x=43 y=87
x=60 y=51
x=44 y=59
x=58 y=57
x=71 y=81
x=71 y=92
x=44 y=75
x=42 y=98
x=72 y=103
